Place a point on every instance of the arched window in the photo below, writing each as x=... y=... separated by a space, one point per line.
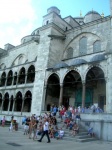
x=70 y=53
x=0 y=100
x=15 y=78
x=9 y=78
x=21 y=79
x=31 y=74
x=83 y=46
x=3 y=79
x=96 y=46
x=6 y=102
x=18 y=102
x=27 y=102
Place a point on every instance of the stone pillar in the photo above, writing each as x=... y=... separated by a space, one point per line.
x=110 y=7
x=44 y=97
x=2 y=105
x=13 y=107
x=109 y=85
x=83 y=94
x=22 y=105
x=61 y=94
x=25 y=78
x=17 y=80
x=9 y=105
x=6 y=82
x=12 y=81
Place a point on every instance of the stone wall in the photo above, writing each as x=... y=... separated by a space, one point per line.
x=101 y=123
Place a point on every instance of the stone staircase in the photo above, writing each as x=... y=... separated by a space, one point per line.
x=80 y=137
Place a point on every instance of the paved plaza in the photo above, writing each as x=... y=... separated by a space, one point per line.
x=17 y=141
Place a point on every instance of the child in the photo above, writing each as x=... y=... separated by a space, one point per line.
x=3 y=121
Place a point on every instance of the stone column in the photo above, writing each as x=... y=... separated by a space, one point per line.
x=13 y=107
x=2 y=105
x=6 y=82
x=22 y=105
x=61 y=94
x=25 y=78
x=44 y=97
x=109 y=85
x=12 y=80
x=17 y=80
x=9 y=105
x=83 y=94
x=111 y=7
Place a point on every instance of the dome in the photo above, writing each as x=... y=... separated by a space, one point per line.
x=91 y=16
x=99 y=57
x=77 y=62
x=53 y=9
x=60 y=65
x=92 y=12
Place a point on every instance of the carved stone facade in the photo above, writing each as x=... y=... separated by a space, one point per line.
x=66 y=61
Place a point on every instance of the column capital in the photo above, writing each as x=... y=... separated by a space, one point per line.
x=83 y=82
x=61 y=84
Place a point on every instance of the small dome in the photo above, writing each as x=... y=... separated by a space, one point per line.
x=91 y=16
x=53 y=9
x=92 y=12
x=77 y=62
x=60 y=65
x=99 y=57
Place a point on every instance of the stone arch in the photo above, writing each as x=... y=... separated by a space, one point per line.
x=31 y=74
x=68 y=53
x=6 y=101
x=96 y=84
x=50 y=75
x=83 y=46
x=97 y=46
x=9 y=78
x=68 y=44
x=3 y=78
x=20 y=59
x=22 y=75
x=27 y=101
x=73 y=69
x=15 y=78
x=18 y=102
x=2 y=66
x=71 y=83
x=0 y=100
x=91 y=66
x=11 y=102
x=52 y=91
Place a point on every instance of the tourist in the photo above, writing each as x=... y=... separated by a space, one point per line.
x=3 y=121
x=45 y=131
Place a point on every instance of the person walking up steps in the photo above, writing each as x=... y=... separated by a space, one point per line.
x=45 y=131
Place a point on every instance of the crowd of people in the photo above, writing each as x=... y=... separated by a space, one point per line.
x=46 y=124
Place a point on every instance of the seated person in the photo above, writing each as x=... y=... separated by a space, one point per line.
x=90 y=132
x=51 y=131
x=71 y=124
x=55 y=131
x=75 y=129
x=66 y=122
x=78 y=118
x=60 y=134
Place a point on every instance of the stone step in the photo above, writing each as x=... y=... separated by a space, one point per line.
x=87 y=139
x=68 y=138
x=83 y=136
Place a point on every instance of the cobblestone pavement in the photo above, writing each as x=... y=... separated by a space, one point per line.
x=17 y=141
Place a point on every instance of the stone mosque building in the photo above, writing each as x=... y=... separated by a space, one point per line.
x=66 y=61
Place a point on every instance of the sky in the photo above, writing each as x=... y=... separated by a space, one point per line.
x=19 y=18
